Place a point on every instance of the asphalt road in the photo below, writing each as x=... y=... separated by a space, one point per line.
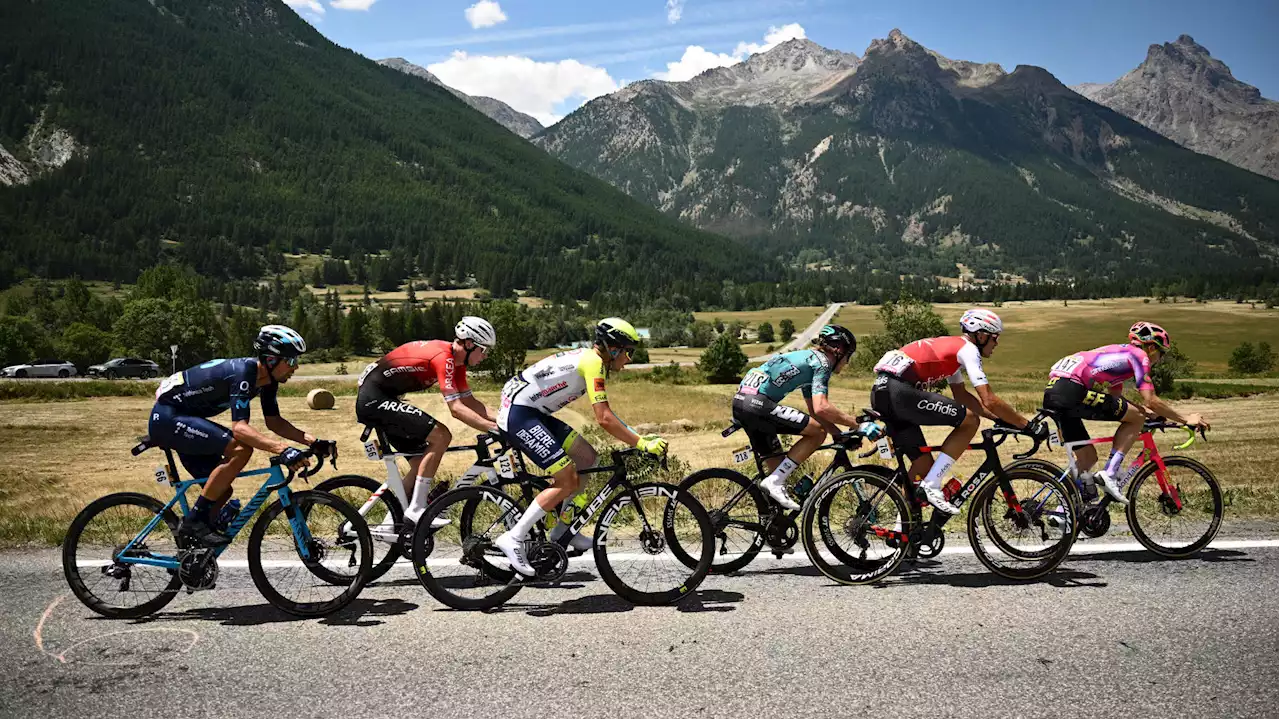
x=1120 y=633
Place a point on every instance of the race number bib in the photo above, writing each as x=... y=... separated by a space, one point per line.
x=173 y=380
x=1067 y=365
x=752 y=382
x=882 y=445
x=504 y=467
x=365 y=373
x=894 y=362
x=372 y=451
x=741 y=454
x=1054 y=439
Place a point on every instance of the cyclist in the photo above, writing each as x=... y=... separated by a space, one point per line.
x=186 y=400
x=901 y=394
x=1088 y=385
x=414 y=367
x=529 y=400
x=756 y=408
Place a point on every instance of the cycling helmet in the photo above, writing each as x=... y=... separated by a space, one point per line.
x=279 y=341
x=477 y=330
x=980 y=320
x=838 y=338
x=1147 y=333
x=616 y=333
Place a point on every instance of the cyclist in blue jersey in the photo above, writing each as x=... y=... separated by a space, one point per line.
x=186 y=400
x=756 y=408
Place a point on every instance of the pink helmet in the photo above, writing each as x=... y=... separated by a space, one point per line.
x=1149 y=333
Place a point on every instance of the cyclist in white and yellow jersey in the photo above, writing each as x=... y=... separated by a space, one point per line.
x=528 y=401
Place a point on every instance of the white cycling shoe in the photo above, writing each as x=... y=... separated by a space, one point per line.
x=436 y=523
x=385 y=532
x=939 y=500
x=778 y=491
x=513 y=549
x=1110 y=487
x=579 y=543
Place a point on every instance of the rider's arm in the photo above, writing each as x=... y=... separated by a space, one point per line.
x=285 y=428
x=995 y=408
x=471 y=412
x=829 y=414
x=970 y=402
x=1166 y=410
x=992 y=407
x=828 y=426
x=591 y=367
x=246 y=434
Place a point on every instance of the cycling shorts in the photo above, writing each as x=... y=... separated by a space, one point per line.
x=1074 y=403
x=905 y=408
x=763 y=419
x=406 y=427
x=541 y=437
x=199 y=442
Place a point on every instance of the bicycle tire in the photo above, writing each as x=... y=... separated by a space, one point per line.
x=381 y=563
x=1147 y=473
x=70 y=563
x=720 y=519
x=302 y=502
x=425 y=542
x=1025 y=470
x=816 y=525
x=675 y=500
x=1033 y=564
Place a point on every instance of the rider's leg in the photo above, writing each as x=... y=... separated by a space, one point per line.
x=564 y=484
x=235 y=457
x=585 y=457
x=952 y=448
x=418 y=483
x=1130 y=427
x=1086 y=456
x=775 y=484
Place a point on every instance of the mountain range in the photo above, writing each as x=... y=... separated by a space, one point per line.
x=500 y=112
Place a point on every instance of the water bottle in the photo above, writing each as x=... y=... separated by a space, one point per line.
x=803 y=487
x=950 y=489
x=227 y=514
x=573 y=508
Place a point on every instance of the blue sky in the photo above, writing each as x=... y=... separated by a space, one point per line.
x=546 y=57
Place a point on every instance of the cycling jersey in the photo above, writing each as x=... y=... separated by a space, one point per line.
x=808 y=370
x=217 y=385
x=924 y=362
x=1110 y=366
x=550 y=384
x=415 y=366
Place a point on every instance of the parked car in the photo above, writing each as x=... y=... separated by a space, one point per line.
x=125 y=367
x=40 y=368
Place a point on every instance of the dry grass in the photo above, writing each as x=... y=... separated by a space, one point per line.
x=801 y=316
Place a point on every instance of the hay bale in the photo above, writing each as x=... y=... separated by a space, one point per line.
x=320 y=399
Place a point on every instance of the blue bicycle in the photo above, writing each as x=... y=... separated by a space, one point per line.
x=308 y=553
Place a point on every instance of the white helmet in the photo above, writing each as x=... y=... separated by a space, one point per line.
x=477 y=330
x=980 y=320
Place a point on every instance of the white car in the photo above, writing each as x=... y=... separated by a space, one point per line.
x=40 y=368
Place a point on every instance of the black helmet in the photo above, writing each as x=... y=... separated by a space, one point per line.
x=279 y=341
x=838 y=338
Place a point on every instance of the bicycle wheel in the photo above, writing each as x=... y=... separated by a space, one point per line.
x=93 y=546
x=855 y=527
x=357 y=491
x=457 y=563
x=637 y=561
x=333 y=574
x=1158 y=524
x=1027 y=532
x=738 y=511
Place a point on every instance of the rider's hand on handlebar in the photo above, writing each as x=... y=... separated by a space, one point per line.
x=1196 y=420
x=653 y=444
x=293 y=457
x=324 y=448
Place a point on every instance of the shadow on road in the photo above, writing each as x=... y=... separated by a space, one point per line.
x=1063 y=579
x=708 y=600
x=360 y=613
x=1145 y=557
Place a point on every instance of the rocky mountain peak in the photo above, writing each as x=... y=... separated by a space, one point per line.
x=408 y=68
x=791 y=72
x=896 y=41
x=497 y=110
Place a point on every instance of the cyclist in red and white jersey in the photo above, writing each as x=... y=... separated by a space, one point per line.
x=902 y=396
x=414 y=367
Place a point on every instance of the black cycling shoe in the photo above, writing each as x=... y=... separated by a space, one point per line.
x=200 y=532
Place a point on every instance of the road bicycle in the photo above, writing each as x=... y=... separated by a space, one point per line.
x=858 y=527
x=1175 y=504
x=123 y=556
x=639 y=523
x=382 y=503
x=743 y=516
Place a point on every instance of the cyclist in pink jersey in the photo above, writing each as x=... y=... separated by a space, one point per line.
x=1088 y=385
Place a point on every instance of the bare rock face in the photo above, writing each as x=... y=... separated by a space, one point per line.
x=1190 y=97
x=497 y=110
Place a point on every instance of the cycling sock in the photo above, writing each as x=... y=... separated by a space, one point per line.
x=418 y=504
x=527 y=520
x=1113 y=464
x=784 y=470
x=202 y=508
x=941 y=465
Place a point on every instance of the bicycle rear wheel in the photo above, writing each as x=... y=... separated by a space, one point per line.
x=855 y=527
x=1026 y=532
x=1159 y=523
x=738 y=511
x=635 y=545
x=457 y=563
x=95 y=543
x=357 y=491
x=336 y=564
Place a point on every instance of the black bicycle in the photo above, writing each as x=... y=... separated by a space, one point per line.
x=744 y=517
x=639 y=525
x=860 y=526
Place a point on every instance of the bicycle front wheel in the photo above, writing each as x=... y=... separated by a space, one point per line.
x=738 y=511
x=635 y=544
x=855 y=527
x=378 y=510
x=1169 y=527
x=457 y=563
x=311 y=557
x=96 y=563
x=1025 y=529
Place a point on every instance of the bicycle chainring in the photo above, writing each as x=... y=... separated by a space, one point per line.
x=1095 y=521
x=198 y=569
x=550 y=560
x=781 y=532
x=933 y=547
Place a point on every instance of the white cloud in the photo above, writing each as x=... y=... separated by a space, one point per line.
x=485 y=13
x=311 y=5
x=697 y=59
x=534 y=88
x=675 y=8
x=352 y=4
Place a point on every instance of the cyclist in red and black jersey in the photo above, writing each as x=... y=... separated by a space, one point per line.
x=414 y=367
x=902 y=397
